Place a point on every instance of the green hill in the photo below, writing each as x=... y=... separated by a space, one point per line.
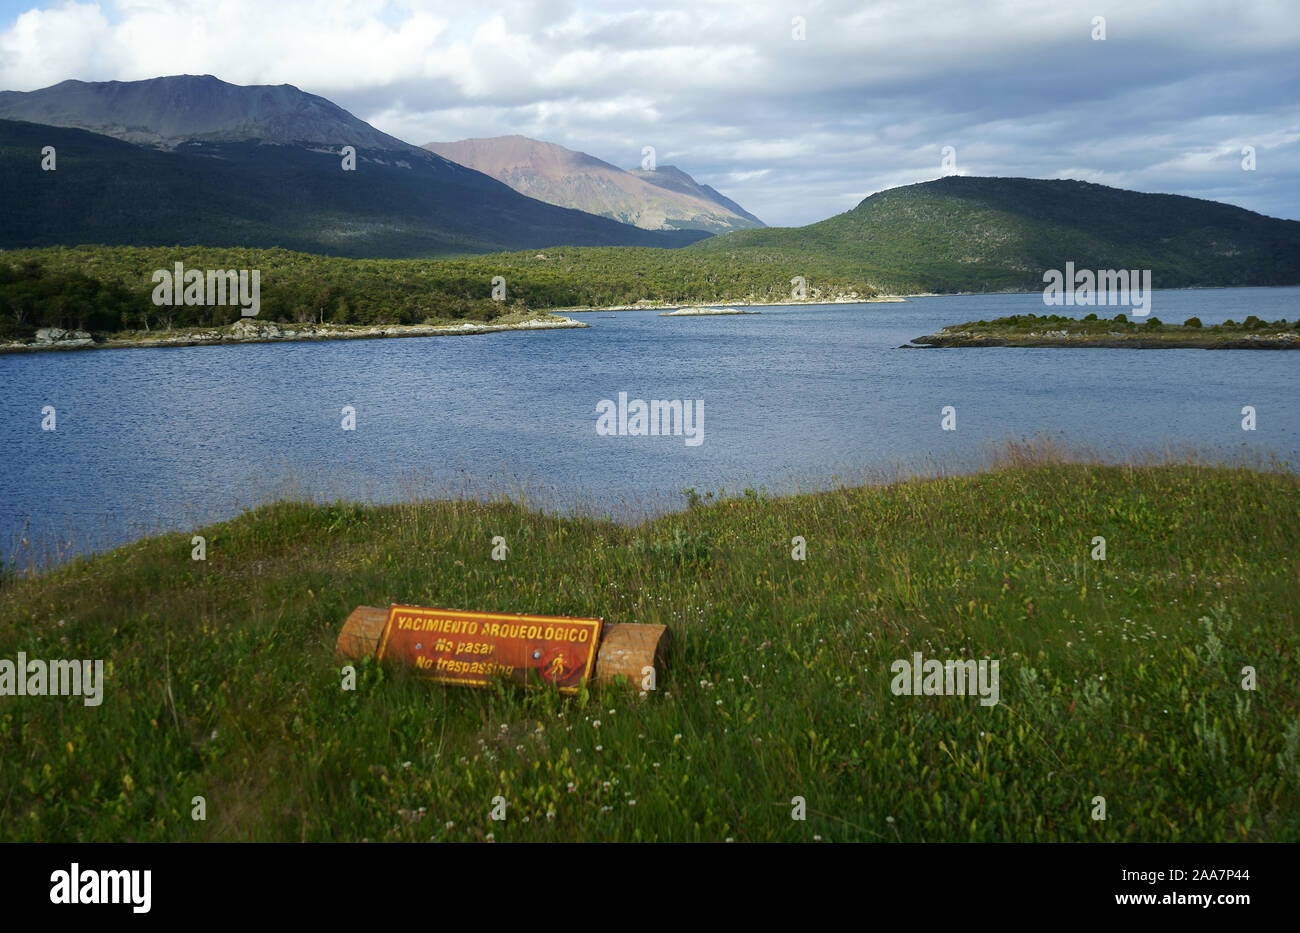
x=248 y=194
x=992 y=234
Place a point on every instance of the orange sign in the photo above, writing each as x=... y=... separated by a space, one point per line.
x=448 y=646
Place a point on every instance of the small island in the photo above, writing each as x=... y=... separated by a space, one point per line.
x=1053 y=330
x=702 y=312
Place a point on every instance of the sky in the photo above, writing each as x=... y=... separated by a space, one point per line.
x=797 y=110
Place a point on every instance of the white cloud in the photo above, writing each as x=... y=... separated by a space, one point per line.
x=793 y=130
x=44 y=47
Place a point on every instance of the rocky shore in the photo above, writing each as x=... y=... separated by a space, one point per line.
x=250 y=331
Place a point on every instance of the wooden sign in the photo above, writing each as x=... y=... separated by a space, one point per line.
x=452 y=647
x=472 y=648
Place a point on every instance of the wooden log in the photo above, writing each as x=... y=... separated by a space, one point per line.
x=625 y=648
x=361 y=633
x=628 y=649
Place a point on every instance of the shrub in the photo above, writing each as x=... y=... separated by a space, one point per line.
x=1192 y=322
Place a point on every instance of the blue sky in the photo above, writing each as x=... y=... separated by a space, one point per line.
x=794 y=129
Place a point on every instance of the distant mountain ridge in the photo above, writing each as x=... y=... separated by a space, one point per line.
x=966 y=233
x=654 y=200
x=256 y=166
x=166 y=111
x=191 y=160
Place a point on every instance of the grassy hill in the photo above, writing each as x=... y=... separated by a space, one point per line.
x=990 y=234
x=1119 y=678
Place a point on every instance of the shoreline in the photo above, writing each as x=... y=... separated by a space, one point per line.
x=670 y=305
x=246 y=331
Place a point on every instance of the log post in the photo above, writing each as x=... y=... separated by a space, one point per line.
x=625 y=648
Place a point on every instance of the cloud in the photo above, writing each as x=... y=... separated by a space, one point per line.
x=794 y=130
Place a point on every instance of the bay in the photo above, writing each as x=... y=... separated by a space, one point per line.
x=795 y=397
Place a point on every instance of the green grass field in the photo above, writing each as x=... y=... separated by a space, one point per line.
x=1119 y=678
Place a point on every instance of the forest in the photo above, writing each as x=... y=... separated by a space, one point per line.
x=104 y=289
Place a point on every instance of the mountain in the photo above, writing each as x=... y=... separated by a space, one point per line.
x=671 y=178
x=963 y=233
x=668 y=199
x=166 y=111
x=194 y=160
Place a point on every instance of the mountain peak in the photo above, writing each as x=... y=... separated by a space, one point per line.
x=665 y=200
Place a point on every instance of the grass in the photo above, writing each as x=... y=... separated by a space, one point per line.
x=1119 y=678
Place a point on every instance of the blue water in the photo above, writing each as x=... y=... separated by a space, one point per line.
x=167 y=438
